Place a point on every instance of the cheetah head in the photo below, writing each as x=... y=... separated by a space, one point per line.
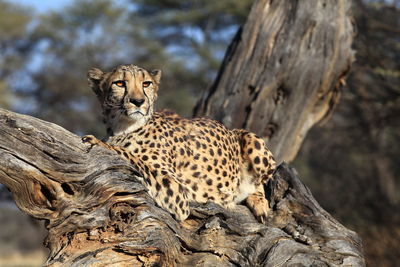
x=127 y=95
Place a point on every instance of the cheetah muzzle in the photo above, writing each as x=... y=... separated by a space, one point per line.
x=181 y=160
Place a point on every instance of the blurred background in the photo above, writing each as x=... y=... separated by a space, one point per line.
x=351 y=163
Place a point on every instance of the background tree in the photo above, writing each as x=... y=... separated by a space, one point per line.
x=77 y=38
x=350 y=162
x=14 y=21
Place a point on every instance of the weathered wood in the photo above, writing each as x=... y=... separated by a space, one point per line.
x=99 y=214
x=283 y=71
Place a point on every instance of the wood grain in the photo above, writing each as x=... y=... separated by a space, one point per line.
x=98 y=213
x=283 y=72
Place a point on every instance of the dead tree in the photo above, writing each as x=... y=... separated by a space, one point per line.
x=283 y=71
x=98 y=213
x=281 y=75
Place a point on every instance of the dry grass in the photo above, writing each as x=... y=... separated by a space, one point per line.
x=18 y=259
x=21 y=238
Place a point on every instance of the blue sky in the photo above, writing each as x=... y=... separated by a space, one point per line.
x=44 y=5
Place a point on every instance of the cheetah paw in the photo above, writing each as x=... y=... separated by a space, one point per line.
x=91 y=140
x=259 y=206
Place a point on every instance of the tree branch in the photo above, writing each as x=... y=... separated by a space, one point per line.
x=283 y=71
x=98 y=213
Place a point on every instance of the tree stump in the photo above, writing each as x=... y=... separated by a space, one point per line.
x=99 y=214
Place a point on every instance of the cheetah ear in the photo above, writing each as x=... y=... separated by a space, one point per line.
x=94 y=78
x=156 y=74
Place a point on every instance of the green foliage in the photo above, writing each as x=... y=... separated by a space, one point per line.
x=187 y=44
x=68 y=43
x=198 y=31
x=14 y=21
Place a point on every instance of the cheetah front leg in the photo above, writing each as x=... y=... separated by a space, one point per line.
x=259 y=205
x=169 y=194
x=91 y=139
x=260 y=166
x=165 y=190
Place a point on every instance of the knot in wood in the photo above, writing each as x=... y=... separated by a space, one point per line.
x=281 y=95
x=269 y=130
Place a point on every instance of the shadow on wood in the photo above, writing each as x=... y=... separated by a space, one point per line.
x=98 y=213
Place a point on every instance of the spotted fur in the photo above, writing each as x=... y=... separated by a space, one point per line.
x=181 y=160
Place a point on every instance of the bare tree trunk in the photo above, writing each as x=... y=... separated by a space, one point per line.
x=283 y=71
x=99 y=214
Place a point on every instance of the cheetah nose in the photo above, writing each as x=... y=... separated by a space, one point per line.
x=137 y=102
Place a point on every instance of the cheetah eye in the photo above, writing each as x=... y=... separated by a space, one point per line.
x=119 y=83
x=146 y=84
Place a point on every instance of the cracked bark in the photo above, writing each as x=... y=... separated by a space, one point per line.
x=283 y=71
x=98 y=213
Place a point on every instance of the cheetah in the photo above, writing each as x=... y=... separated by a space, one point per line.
x=181 y=160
